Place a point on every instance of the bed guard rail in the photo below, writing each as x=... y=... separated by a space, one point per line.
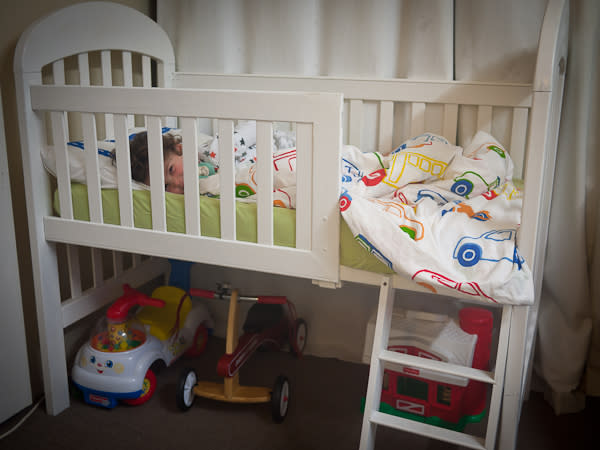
x=317 y=118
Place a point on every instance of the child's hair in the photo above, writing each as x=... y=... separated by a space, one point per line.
x=138 y=152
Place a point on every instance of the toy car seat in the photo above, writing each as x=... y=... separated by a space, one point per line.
x=163 y=321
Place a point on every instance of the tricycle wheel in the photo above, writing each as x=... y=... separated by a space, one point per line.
x=298 y=340
x=185 y=389
x=199 y=343
x=280 y=399
x=148 y=388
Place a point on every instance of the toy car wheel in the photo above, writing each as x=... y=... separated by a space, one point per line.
x=469 y=254
x=199 y=343
x=462 y=188
x=185 y=389
x=280 y=399
x=298 y=341
x=148 y=388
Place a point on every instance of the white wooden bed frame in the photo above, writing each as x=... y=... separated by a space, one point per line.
x=325 y=110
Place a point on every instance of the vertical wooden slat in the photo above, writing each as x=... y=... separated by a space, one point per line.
x=355 y=112
x=146 y=71
x=61 y=137
x=117 y=260
x=92 y=170
x=74 y=270
x=59 y=133
x=84 y=69
x=163 y=79
x=136 y=260
x=107 y=81
x=304 y=169
x=450 y=125
x=121 y=123
x=518 y=139
x=264 y=175
x=160 y=74
x=386 y=126
x=106 y=68
x=484 y=118
x=58 y=72
x=123 y=170
x=92 y=177
x=146 y=75
x=227 y=180
x=127 y=69
x=127 y=78
x=157 y=175
x=189 y=137
x=97 y=272
x=417 y=121
x=63 y=171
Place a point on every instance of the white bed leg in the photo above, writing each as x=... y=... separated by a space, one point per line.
x=50 y=326
x=380 y=342
x=514 y=381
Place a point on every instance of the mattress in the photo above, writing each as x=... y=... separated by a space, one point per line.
x=352 y=253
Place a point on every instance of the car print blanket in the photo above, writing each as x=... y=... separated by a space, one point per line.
x=444 y=216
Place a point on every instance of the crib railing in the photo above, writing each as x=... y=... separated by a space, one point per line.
x=380 y=114
x=317 y=118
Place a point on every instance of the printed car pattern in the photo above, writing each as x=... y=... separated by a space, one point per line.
x=470 y=250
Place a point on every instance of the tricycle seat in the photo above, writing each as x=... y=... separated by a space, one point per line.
x=262 y=316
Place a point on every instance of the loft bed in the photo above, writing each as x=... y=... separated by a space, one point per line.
x=78 y=83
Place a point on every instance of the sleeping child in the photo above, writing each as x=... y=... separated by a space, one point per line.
x=208 y=156
x=173 y=162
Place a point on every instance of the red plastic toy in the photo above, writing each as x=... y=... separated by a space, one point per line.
x=435 y=398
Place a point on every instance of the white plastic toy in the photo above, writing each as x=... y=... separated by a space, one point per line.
x=118 y=361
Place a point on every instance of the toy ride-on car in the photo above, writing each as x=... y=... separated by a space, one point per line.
x=270 y=323
x=118 y=360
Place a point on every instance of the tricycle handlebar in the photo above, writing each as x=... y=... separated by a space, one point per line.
x=203 y=293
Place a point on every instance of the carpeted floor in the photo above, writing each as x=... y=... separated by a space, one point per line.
x=324 y=413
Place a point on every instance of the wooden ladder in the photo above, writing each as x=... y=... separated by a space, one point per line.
x=381 y=358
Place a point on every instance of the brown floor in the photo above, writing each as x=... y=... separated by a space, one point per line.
x=324 y=414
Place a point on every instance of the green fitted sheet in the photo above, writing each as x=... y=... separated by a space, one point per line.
x=352 y=254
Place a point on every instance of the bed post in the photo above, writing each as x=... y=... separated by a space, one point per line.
x=43 y=253
x=541 y=156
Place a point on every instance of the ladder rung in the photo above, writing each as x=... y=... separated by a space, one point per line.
x=395 y=358
x=423 y=429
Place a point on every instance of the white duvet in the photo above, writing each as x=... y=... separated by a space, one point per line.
x=444 y=216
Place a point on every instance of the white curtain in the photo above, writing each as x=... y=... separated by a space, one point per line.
x=482 y=40
x=568 y=350
x=385 y=38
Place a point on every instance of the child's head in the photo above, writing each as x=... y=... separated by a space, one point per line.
x=173 y=161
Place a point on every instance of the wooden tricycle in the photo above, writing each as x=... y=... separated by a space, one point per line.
x=269 y=324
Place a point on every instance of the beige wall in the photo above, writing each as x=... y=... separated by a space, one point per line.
x=15 y=17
